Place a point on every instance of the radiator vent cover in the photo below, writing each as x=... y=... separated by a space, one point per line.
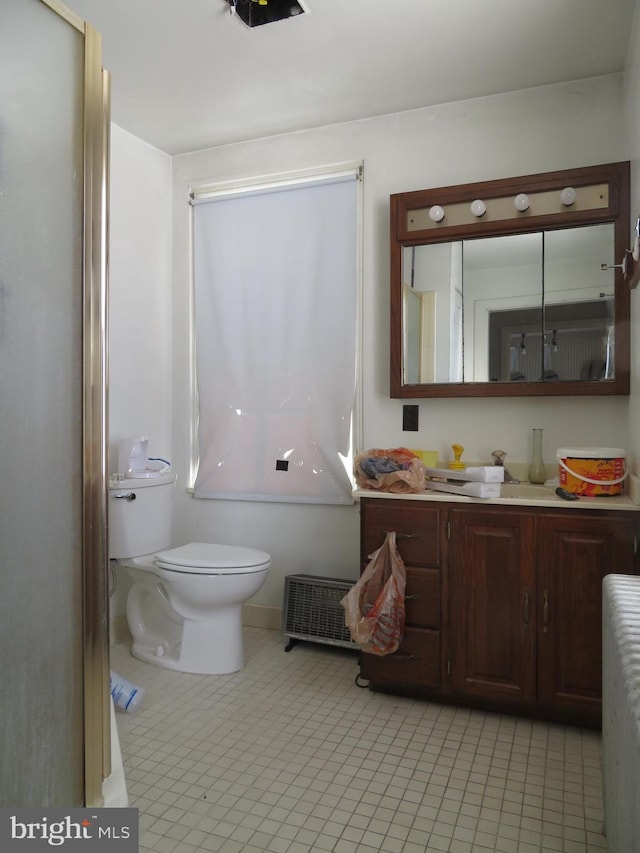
x=312 y=610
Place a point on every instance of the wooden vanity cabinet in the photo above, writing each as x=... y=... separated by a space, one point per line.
x=503 y=603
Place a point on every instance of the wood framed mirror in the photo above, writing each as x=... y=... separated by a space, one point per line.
x=514 y=287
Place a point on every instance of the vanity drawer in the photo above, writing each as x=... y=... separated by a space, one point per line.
x=417 y=530
x=416 y=663
x=422 y=598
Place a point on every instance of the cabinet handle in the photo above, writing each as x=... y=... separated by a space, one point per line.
x=527 y=608
x=413 y=597
x=400 y=658
x=545 y=612
x=405 y=535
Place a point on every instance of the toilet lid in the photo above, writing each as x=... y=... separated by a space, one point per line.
x=205 y=558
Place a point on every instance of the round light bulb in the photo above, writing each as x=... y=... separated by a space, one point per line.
x=436 y=213
x=568 y=196
x=478 y=207
x=521 y=202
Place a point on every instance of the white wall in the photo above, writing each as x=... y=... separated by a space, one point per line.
x=140 y=297
x=519 y=133
x=139 y=294
x=539 y=130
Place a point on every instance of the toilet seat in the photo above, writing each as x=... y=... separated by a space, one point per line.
x=202 y=558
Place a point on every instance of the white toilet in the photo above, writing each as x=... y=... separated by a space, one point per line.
x=184 y=608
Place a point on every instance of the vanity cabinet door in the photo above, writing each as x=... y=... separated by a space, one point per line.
x=575 y=552
x=492 y=605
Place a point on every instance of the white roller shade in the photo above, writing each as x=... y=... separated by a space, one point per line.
x=275 y=322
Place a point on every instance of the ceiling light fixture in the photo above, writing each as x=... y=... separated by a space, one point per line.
x=255 y=13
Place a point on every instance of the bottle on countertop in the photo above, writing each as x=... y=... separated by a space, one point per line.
x=537 y=471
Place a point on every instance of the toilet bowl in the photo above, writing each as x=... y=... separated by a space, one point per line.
x=184 y=608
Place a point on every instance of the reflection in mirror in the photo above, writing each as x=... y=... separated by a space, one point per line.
x=432 y=309
x=501 y=275
x=522 y=307
x=579 y=303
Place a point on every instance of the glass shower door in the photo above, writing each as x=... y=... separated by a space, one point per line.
x=52 y=406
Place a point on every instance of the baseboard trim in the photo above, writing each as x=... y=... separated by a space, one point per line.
x=119 y=630
x=259 y=616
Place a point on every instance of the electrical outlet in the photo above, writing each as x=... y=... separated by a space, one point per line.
x=410 y=418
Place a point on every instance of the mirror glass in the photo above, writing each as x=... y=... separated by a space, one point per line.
x=532 y=307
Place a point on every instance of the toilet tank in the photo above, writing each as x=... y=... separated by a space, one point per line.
x=140 y=516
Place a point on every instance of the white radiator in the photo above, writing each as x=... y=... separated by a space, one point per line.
x=621 y=712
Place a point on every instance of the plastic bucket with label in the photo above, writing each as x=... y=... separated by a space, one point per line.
x=592 y=472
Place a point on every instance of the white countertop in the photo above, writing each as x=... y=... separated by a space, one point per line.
x=523 y=494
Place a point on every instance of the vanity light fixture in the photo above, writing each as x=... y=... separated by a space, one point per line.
x=568 y=196
x=436 y=213
x=478 y=207
x=521 y=202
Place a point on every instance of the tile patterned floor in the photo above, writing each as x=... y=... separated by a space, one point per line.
x=290 y=756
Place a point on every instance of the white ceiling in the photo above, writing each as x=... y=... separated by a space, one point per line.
x=186 y=74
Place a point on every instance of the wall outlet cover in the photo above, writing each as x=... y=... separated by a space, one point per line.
x=410 y=418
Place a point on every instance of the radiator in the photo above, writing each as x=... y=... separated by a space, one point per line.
x=312 y=610
x=621 y=712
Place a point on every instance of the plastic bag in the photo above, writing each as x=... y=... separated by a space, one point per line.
x=399 y=471
x=374 y=606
